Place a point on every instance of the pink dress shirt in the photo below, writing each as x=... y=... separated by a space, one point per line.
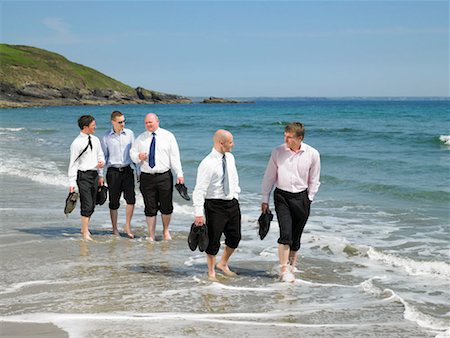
x=292 y=171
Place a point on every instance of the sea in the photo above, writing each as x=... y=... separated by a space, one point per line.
x=374 y=257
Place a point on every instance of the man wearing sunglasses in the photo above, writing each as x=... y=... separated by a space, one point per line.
x=116 y=144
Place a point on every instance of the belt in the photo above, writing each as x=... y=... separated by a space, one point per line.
x=121 y=169
x=155 y=174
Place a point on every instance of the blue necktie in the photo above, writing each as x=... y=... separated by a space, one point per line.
x=151 y=156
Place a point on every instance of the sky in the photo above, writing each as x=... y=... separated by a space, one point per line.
x=247 y=48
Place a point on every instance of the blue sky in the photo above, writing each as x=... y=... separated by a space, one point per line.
x=247 y=48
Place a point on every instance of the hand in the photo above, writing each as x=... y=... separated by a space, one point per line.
x=100 y=164
x=143 y=156
x=180 y=180
x=101 y=181
x=264 y=207
x=71 y=189
x=199 y=220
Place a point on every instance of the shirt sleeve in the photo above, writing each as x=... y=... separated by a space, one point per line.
x=100 y=157
x=175 y=161
x=270 y=177
x=104 y=144
x=314 y=176
x=236 y=188
x=201 y=186
x=134 y=151
x=73 y=166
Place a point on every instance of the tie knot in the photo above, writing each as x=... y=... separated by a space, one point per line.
x=154 y=134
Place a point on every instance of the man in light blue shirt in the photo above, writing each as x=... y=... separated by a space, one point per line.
x=116 y=145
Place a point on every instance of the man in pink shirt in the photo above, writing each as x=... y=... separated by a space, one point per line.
x=294 y=169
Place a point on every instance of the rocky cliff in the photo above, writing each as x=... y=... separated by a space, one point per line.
x=35 y=77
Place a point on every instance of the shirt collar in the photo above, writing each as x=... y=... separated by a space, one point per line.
x=113 y=132
x=216 y=153
x=301 y=150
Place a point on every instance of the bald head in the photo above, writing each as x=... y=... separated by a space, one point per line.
x=223 y=141
x=151 y=122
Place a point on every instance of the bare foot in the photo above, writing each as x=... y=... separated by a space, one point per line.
x=116 y=233
x=225 y=270
x=212 y=278
x=87 y=237
x=150 y=239
x=167 y=236
x=128 y=232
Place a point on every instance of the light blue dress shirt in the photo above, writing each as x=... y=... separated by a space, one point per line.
x=116 y=148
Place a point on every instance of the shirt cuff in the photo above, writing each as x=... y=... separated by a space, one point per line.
x=198 y=211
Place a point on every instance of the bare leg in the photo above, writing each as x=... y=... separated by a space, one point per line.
x=293 y=257
x=129 y=214
x=211 y=260
x=223 y=263
x=151 y=223
x=166 y=221
x=85 y=228
x=283 y=256
x=113 y=214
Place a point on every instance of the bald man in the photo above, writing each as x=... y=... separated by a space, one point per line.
x=216 y=202
x=156 y=152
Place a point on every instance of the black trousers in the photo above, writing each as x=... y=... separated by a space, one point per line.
x=222 y=216
x=157 y=191
x=87 y=182
x=292 y=212
x=120 y=180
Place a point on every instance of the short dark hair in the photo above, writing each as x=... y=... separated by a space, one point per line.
x=85 y=121
x=297 y=128
x=114 y=114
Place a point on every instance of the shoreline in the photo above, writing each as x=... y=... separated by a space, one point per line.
x=30 y=329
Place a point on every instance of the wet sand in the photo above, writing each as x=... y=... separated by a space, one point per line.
x=19 y=330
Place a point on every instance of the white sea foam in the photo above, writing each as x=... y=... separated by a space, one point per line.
x=12 y=129
x=34 y=170
x=412 y=267
x=410 y=313
x=445 y=139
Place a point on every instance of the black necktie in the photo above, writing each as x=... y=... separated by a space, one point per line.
x=89 y=145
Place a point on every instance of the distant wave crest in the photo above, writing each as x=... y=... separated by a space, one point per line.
x=445 y=139
x=412 y=267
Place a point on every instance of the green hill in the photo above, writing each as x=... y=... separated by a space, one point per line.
x=32 y=76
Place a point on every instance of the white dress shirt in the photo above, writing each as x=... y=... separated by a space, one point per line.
x=167 y=153
x=87 y=161
x=116 y=148
x=209 y=183
x=292 y=171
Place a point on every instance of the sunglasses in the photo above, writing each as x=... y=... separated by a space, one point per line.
x=121 y=122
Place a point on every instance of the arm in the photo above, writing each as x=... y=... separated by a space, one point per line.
x=270 y=177
x=175 y=161
x=105 y=148
x=134 y=151
x=73 y=167
x=201 y=186
x=314 y=176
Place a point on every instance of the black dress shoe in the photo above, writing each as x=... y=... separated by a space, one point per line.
x=203 y=239
x=182 y=190
x=71 y=202
x=193 y=237
x=264 y=223
x=102 y=195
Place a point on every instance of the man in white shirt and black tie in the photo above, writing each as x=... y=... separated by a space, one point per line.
x=156 y=151
x=294 y=169
x=216 y=202
x=85 y=169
